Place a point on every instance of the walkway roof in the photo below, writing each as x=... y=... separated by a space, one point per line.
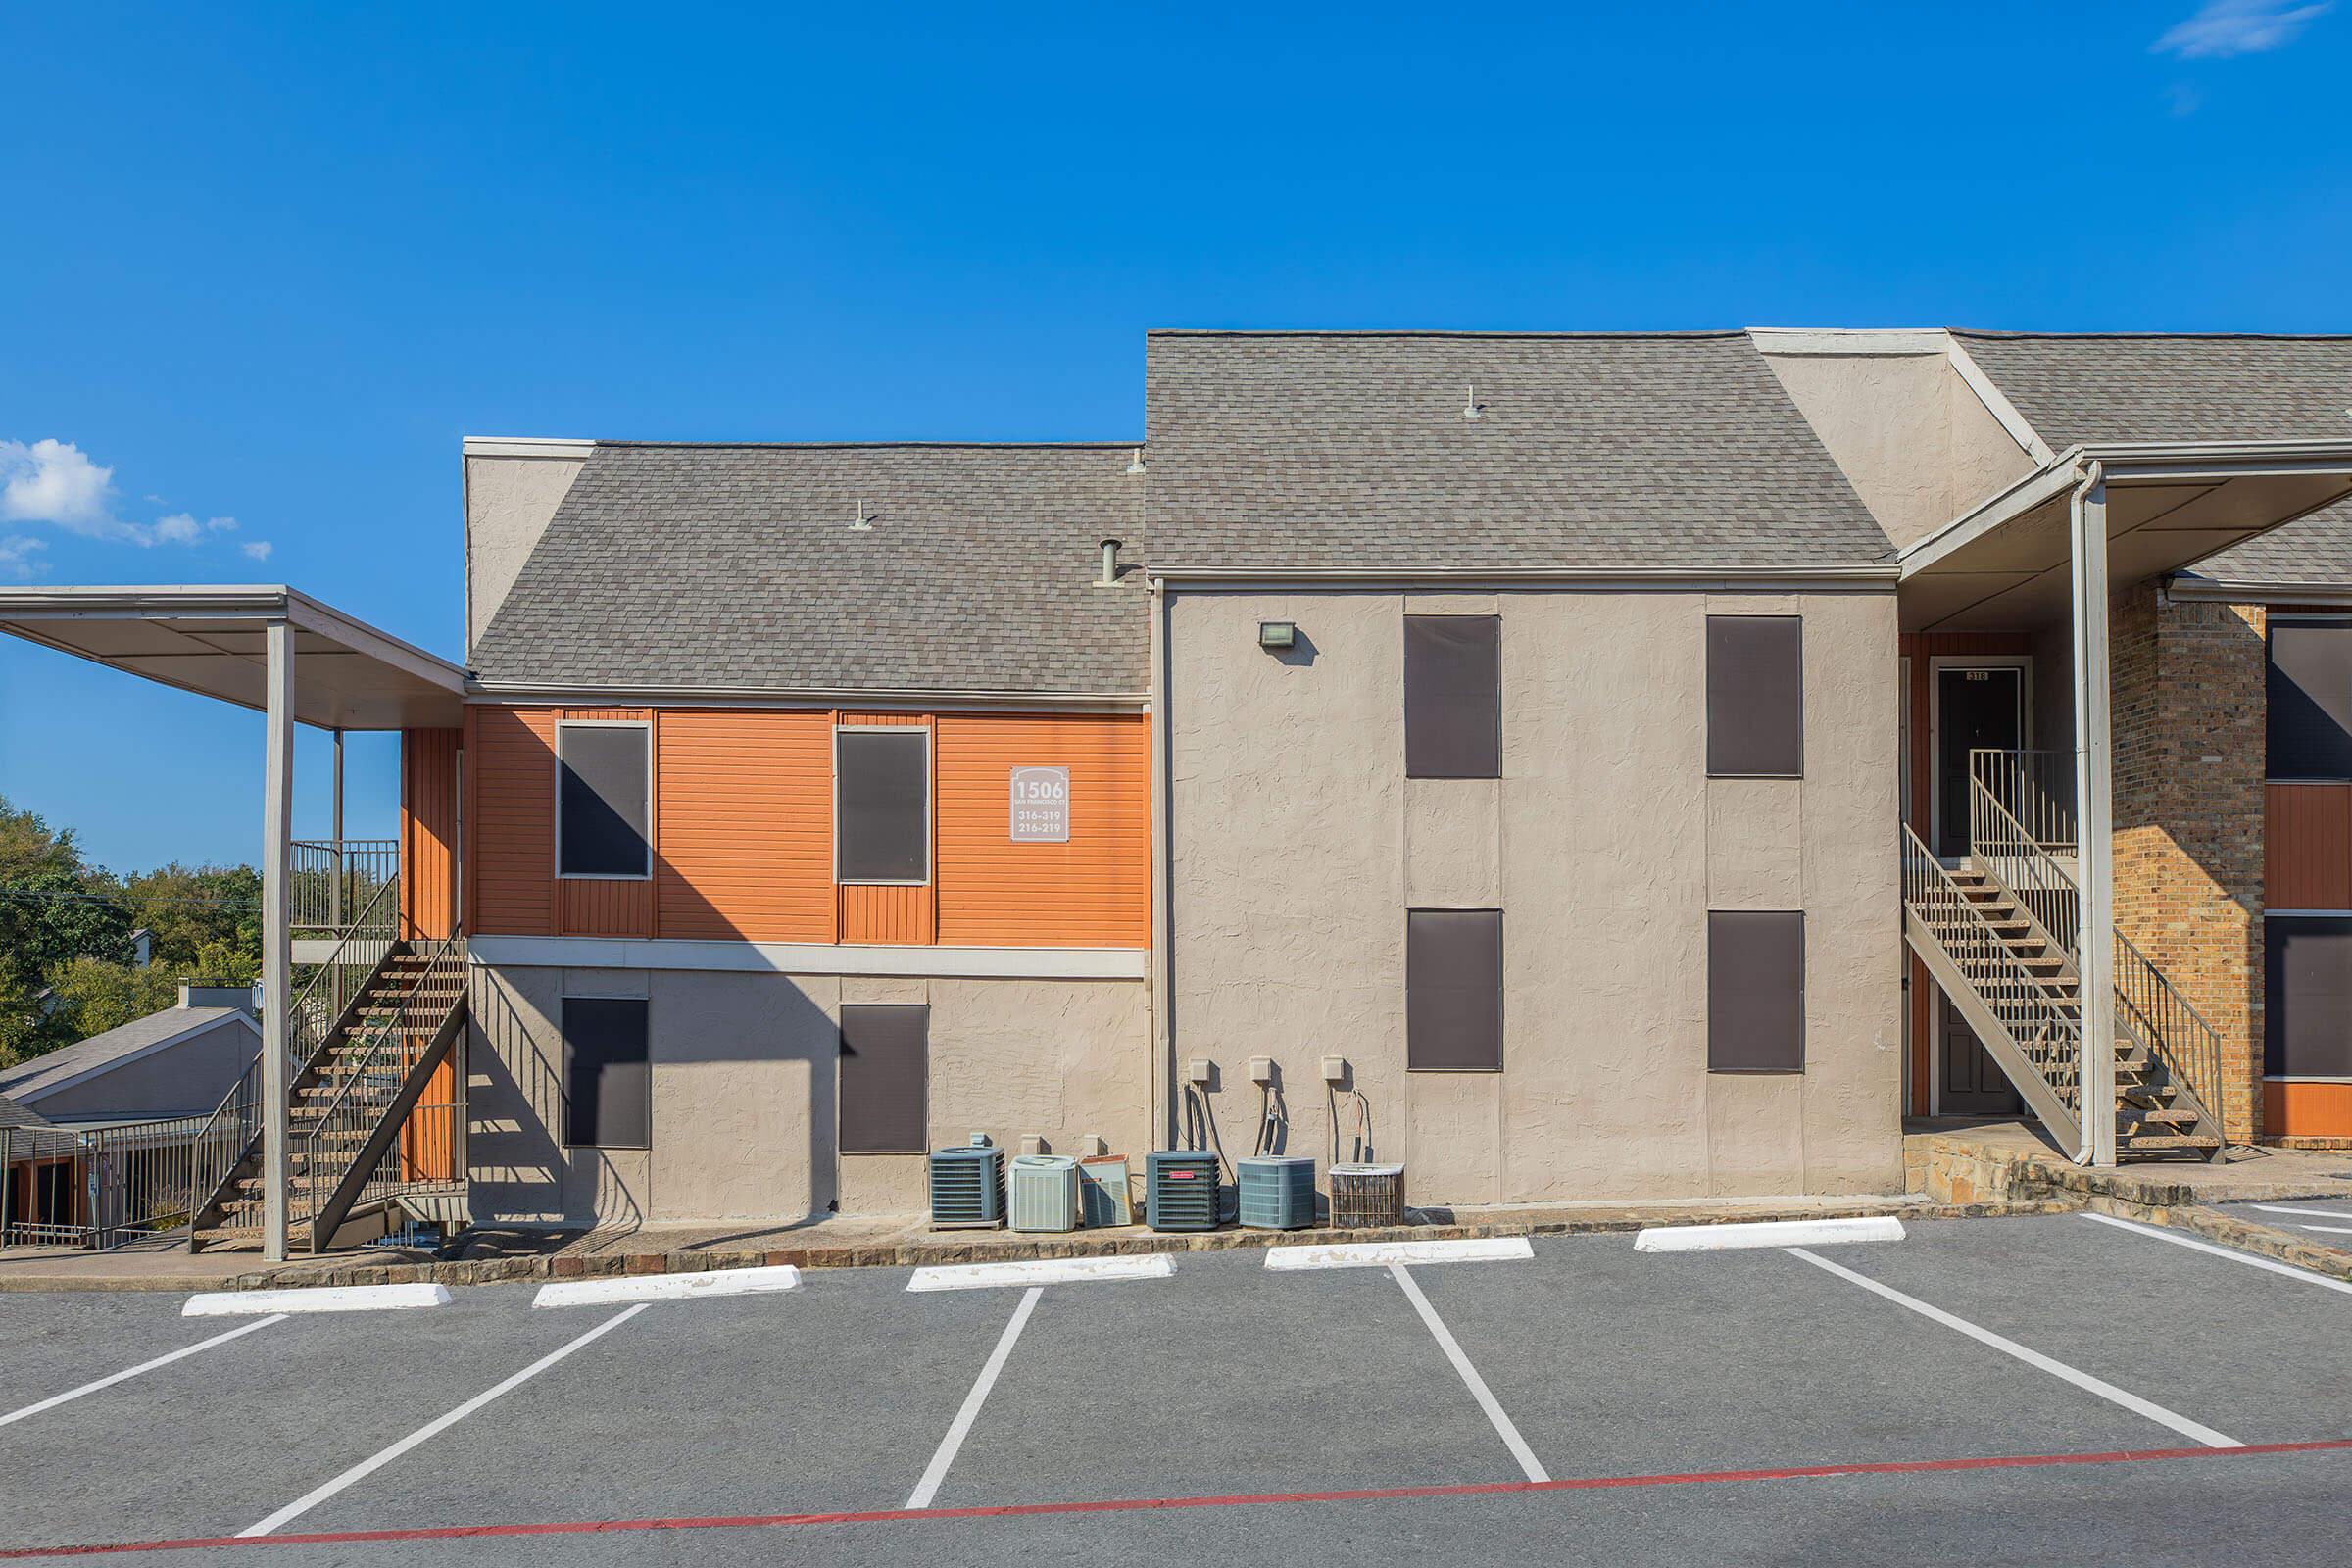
x=210 y=640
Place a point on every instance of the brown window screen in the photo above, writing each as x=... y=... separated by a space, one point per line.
x=601 y=800
x=607 y=1076
x=2310 y=727
x=882 y=806
x=885 y=1076
x=2307 y=1027
x=1755 y=991
x=1452 y=697
x=1454 y=990
x=1755 y=696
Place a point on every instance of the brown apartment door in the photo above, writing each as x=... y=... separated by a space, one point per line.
x=1974 y=708
x=1974 y=1084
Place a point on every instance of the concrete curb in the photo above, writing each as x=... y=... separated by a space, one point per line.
x=1000 y=1248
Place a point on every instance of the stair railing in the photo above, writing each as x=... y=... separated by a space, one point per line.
x=2036 y=788
x=2148 y=1006
x=2038 y=1018
x=379 y=1063
x=229 y=1134
x=2154 y=1011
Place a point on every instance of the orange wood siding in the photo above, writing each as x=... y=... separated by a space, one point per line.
x=428 y=833
x=742 y=824
x=2307 y=847
x=1095 y=889
x=2306 y=1110
x=596 y=906
x=511 y=769
x=746 y=826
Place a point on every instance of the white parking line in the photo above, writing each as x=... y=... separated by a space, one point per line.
x=1040 y=1271
x=2317 y=1213
x=2031 y=1357
x=937 y=1470
x=434 y=1428
x=128 y=1373
x=317 y=1299
x=2291 y=1272
x=1511 y=1440
x=668 y=1287
x=1382 y=1255
x=1768 y=1232
x=2332 y=1230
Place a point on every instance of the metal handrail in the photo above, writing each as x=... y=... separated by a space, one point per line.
x=229 y=1133
x=330 y=878
x=390 y=1052
x=2148 y=1005
x=2036 y=788
x=129 y=1182
x=2024 y=867
x=2039 y=1017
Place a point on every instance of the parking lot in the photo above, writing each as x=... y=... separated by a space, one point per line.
x=1992 y=1389
x=2327 y=1220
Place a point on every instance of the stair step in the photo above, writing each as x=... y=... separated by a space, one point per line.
x=2146 y=1142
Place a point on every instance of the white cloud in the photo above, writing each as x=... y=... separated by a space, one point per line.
x=2226 y=27
x=257 y=549
x=55 y=481
x=15 y=556
x=182 y=530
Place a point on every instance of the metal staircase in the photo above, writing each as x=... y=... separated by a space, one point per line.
x=363 y=1136
x=2000 y=935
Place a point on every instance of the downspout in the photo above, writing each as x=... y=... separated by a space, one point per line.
x=2094 y=812
x=1163 y=900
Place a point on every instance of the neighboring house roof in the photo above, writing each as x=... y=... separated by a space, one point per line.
x=2192 y=387
x=1306 y=450
x=101 y=1052
x=671 y=567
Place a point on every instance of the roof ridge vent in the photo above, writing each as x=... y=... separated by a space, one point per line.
x=1470 y=403
x=863 y=522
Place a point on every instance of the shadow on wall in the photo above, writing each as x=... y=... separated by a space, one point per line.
x=744 y=1090
x=520 y=1170
x=2190 y=806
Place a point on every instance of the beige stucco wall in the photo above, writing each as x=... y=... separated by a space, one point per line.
x=1604 y=844
x=1911 y=435
x=743 y=1090
x=509 y=502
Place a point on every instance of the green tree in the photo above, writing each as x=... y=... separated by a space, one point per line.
x=66 y=926
x=212 y=908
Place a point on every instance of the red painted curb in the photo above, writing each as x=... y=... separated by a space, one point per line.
x=1019 y=1510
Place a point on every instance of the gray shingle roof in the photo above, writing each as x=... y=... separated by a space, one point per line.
x=28 y=1080
x=12 y=1114
x=686 y=565
x=2151 y=387
x=2204 y=387
x=1319 y=449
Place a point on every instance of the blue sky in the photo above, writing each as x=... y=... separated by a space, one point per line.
x=269 y=264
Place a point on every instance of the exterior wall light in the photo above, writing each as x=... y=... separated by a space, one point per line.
x=1277 y=635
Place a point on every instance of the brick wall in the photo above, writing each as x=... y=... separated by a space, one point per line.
x=2188 y=816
